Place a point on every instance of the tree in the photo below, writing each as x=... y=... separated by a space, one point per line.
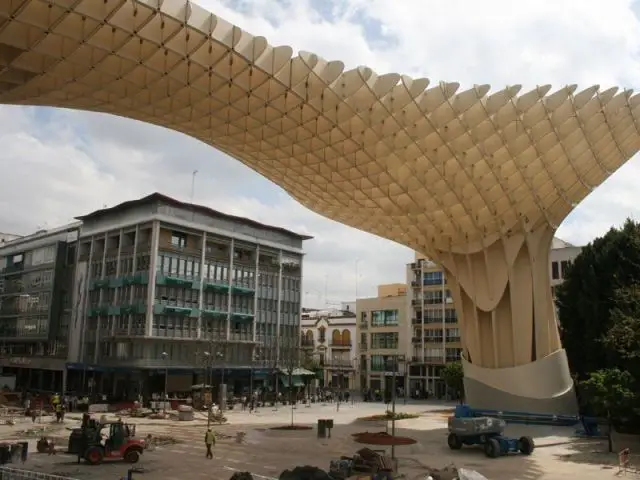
x=610 y=393
x=290 y=361
x=623 y=337
x=596 y=296
x=454 y=378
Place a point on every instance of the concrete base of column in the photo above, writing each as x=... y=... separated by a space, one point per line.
x=542 y=387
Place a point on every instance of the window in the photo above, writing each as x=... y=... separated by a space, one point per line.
x=433 y=278
x=322 y=334
x=384 y=340
x=178 y=239
x=433 y=297
x=555 y=271
x=384 y=318
x=564 y=267
x=43 y=255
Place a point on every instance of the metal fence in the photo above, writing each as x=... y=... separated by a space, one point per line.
x=7 y=473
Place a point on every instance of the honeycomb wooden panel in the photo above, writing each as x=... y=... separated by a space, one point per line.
x=476 y=180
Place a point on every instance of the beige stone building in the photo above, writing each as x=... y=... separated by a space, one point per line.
x=327 y=339
x=382 y=332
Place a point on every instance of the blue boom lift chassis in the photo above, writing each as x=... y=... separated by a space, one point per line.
x=464 y=429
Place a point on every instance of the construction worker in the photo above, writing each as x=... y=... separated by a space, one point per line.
x=59 y=412
x=209 y=441
x=55 y=400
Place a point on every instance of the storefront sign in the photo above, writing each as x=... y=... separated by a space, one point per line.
x=20 y=361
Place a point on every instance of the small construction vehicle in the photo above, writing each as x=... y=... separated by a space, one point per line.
x=487 y=432
x=92 y=442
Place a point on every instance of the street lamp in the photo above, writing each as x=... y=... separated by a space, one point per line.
x=223 y=389
x=165 y=355
x=255 y=356
x=207 y=384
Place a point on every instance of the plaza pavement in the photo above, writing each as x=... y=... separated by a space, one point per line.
x=265 y=453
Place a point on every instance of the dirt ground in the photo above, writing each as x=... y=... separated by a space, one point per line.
x=266 y=453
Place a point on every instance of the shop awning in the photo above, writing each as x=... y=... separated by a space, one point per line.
x=300 y=372
x=296 y=381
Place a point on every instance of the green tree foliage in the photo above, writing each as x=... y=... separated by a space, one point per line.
x=599 y=303
x=453 y=377
x=610 y=394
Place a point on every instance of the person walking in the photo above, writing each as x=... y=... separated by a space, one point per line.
x=209 y=441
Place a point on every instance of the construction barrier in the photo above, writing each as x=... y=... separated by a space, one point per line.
x=7 y=473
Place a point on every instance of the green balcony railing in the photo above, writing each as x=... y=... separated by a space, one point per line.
x=139 y=278
x=100 y=310
x=242 y=290
x=135 y=308
x=175 y=281
x=214 y=313
x=216 y=287
x=242 y=317
x=160 y=309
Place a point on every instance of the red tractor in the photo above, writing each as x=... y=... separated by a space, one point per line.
x=120 y=443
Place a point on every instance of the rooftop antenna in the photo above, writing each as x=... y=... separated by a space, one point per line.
x=193 y=192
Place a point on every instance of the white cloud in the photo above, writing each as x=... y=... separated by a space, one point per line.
x=57 y=164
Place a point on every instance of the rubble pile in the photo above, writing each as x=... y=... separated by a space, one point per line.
x=241 y=476
x=453 y=473
x=306 y=472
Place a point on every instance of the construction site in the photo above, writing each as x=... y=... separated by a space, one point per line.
x=316 y=441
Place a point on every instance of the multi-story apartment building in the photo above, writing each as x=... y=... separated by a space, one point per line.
x=382 y=337
x=327 y=340
x=35 y=306
x=147 y=288
x=435 y=334
x=434 y=323
x=168 y=287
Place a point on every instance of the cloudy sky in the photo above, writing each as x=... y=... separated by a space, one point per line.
x=58 y=164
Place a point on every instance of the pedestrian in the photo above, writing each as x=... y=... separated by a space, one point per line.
x=209 y=441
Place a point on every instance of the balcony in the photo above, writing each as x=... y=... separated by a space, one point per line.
x=415 y=284
x=341 y=344
x=306 y=344
x=416 y=339
x=15 y=268
x=239 y=290
x=162 y=309
x=98 y=311
x=416 y=302
x=338 y=364
x=210 y=285
x=453 y=339
x=213 y=313
x=174 y=281
x=242 y=317
x=363 y=325
x=363 y=346
x=416 y=321
x=433 y=339
x=434 y=360
x=415 y=266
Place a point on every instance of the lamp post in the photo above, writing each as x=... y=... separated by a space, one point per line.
x=223 y=394
x=165 y=355
x=255 y=356
x=207 y=382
